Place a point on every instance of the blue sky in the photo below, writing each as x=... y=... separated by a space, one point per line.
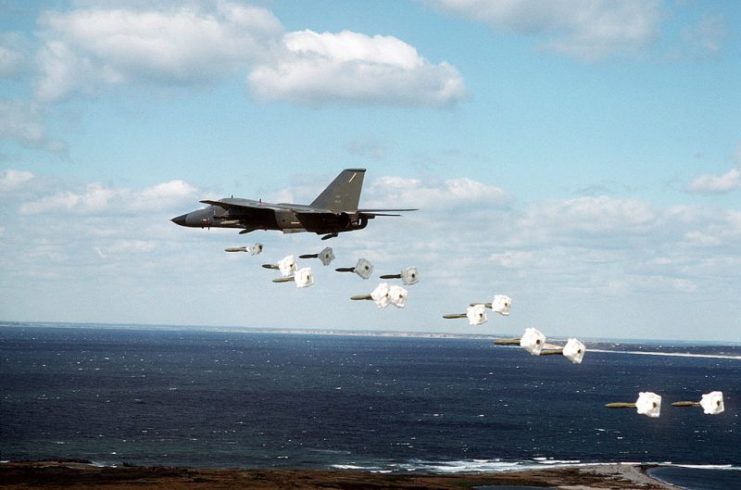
x=582 y=157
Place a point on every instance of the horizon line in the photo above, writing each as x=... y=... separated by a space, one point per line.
x=340 y=331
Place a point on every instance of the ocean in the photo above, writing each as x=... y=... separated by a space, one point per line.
x=219 y=398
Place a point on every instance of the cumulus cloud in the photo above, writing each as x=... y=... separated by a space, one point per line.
x=719 y=184
x=86 y=48
x=98 y=199
x=585 y=29
x=471 y=239
x=565 y=262
x=452 y=193
x=599 y=215
x=325 y=67
x=12 y=58
x=21 y=122
x=11 y=179
x=713 y=184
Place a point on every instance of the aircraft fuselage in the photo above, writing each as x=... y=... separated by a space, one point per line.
x=334 y=211
x=288 y=218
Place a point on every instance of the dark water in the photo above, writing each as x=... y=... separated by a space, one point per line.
x=698 y=478
x=207 y=398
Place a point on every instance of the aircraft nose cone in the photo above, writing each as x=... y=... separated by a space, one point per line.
x=179 y=220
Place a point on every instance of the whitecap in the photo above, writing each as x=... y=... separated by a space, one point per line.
x=707 y=466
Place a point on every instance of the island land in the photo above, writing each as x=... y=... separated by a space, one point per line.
x=82 y=474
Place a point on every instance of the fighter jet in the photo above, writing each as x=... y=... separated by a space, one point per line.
x=334 y=211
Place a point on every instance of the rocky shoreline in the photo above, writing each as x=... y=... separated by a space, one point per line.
x=66 y=474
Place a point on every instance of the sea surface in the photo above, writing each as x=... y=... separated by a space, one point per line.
x=207 y=398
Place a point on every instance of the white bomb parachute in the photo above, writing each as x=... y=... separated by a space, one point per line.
x=363 y=268
x=408 y=276
x=573 y=351
x=648 y=404
x=286 y=266
x=326 y=256
x=476 y=314
x=303 y=278
x=532 y=340
x=398 y=296
x=711 y=403
x=384 y=295
x=500 y=304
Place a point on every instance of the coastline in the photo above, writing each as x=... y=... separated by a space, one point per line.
x=63 y=474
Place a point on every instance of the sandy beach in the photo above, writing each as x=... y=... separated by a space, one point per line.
x=64 y=474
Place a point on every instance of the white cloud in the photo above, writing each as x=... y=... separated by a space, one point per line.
x=600 y=215
x=12 y=179
x=351 y=67
x=21 y=122
x=12 y=58
x=87 y=48
x=452 y=193
x=709 y=184
x=662 y=283
x=570 y=264
x=585 y=29
x=98 y=199
x=125 y=247
x=95 y=198
x=513 y=259
x=701 y=238
x=166 y=195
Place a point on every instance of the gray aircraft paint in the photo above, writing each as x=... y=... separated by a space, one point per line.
x=334 y=211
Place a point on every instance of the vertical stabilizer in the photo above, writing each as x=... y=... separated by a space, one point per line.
x=343 y=194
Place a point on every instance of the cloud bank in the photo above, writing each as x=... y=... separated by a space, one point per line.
x=586 y=29
x=434 y=195
x=97 y=199
x=564 y=261
x=89 y=49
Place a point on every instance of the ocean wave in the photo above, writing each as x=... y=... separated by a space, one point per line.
x=328 y=451
x=499 y=466
x=356 y=467
x=463 y=466
x=548 y=461
x=716 y=467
